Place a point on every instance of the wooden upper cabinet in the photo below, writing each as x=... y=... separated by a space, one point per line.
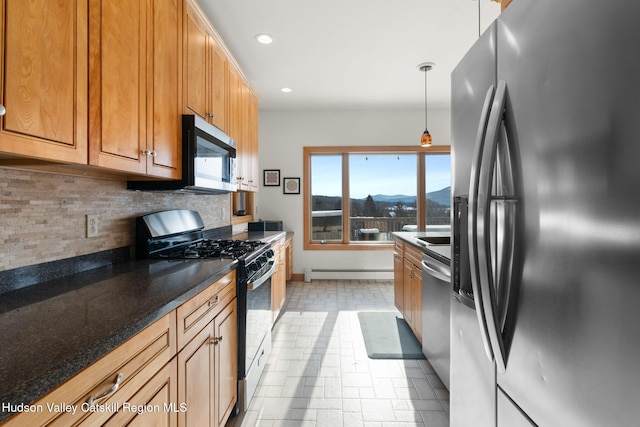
x=247 y=150
x=135 y=86
x=118 y=84
x=44 y=80
x=164 y=114
x=218 y=86
x=234 y=105
x=195 y=60
x=206 y=72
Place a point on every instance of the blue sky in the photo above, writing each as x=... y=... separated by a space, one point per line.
x=378 y=174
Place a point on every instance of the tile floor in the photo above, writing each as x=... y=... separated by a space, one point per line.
x=319 y=373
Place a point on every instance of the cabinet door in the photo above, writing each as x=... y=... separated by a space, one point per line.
x=407 y=281
x=416 y=302
x=279 y=281
x=195 y=64
x=217 y=86
x=196 y=380
x=398 y=284
x=234 y=109
x=253 y=180
x=164 y=131
x=226 y=362
x=44 y=79
x=248 y=144
x=118 y=89
x=243 y=148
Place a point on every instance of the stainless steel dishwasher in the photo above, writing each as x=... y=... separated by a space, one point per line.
x=436 y=308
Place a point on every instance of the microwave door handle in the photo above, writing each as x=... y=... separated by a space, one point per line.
x=472 y=227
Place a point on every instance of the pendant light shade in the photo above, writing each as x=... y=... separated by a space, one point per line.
x=425 y=140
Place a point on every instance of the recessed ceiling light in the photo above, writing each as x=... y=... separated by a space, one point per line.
x=285 y=89
x=264 y=38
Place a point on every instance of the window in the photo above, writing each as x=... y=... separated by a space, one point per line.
x=356 y=197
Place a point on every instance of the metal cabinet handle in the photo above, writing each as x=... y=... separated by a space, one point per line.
x=92 y=400
x=215 y=340
x=214 y=301
x=3 y=110
x=152 y=153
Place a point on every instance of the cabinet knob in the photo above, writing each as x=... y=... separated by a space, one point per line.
x=3 y=110
x=152 y=153
x=215 y=340
x=210 y=115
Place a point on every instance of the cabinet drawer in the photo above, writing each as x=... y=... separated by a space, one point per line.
x=414 y=255
x=399 y=247
x=196 y=313
x=110 y=381
x=155 y=404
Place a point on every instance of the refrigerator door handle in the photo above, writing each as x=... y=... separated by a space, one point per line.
x=473 y=220
x=486 y=277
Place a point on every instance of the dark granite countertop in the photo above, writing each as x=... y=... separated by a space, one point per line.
x=51 y=331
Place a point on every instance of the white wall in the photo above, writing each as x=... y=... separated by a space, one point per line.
x=282 y=136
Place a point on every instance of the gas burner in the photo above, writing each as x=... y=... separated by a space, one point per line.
x=206 y=248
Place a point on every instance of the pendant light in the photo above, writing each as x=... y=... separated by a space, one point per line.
x=425 y=140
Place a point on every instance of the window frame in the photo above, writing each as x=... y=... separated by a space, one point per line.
x=345 y=151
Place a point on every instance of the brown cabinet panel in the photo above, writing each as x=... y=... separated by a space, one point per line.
x=218 y=86
x=195 y=64
x=407 y=284
x=398 y=288
x=44 y=79
x=196 y=380
x=118 y=85
x=226 y=363
x=135 y=123
x=165 y=89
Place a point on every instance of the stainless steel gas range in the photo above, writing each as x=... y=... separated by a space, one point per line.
x=179 y=234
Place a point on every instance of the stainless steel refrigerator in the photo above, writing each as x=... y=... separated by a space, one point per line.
x=546 y=240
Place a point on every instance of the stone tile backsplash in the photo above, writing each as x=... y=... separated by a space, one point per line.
x=43 y=216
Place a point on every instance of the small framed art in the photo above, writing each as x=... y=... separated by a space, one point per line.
x=291 y=185
x=271 y=177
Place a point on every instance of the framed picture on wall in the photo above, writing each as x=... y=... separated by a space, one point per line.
x=291 y=185
x=271 y=178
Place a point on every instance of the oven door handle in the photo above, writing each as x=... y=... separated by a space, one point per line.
x=257 y=283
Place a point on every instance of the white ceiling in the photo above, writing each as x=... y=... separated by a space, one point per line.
x=349 y=53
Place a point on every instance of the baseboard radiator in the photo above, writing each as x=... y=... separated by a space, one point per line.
x=348 y=274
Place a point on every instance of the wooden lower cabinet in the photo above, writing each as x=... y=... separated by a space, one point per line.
x=407 y=275
x=398 y=276
x=207 y=372
x=279 y=279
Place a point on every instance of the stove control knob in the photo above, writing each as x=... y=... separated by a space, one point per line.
x=270 y=253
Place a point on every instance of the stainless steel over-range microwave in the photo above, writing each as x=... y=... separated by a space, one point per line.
x=208 y=161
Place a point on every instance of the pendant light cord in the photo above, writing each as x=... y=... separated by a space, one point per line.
x=479 y=18
x=425 y=100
